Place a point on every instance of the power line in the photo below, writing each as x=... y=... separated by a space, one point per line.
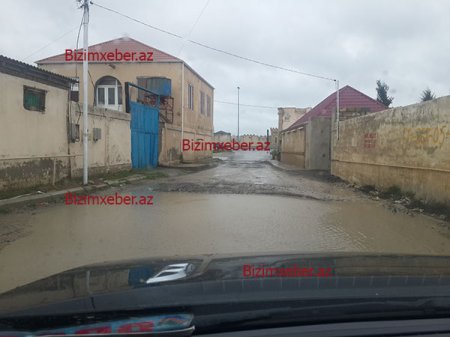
x=138 y=21
x=261 y=63
x=198 y=18
x=249 y=105
x=193 y=26
x=50 y=43
x=216 y=49
x=79 y=31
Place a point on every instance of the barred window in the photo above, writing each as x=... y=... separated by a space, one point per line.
x=202 y=103
x=191 y=96
x=33 y=99
x=208 y=106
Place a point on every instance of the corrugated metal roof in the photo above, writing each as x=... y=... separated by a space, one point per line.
x=348 y=98
x=123 y=44
x=27 y=71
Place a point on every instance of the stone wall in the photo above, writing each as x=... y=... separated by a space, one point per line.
x=407 y=147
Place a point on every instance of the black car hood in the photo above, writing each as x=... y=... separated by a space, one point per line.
x=125 y=285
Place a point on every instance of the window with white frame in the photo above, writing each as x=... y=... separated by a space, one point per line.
x=108 y=93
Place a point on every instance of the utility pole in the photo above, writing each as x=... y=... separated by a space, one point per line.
x=337 y=109
x=85 y=92
x=182 y=110
x=238 y=115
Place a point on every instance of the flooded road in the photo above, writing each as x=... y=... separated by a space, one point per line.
x=243 y=205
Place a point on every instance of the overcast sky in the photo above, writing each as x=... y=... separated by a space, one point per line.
x=403 y=42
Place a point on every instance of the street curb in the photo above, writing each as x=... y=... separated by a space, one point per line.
x=272 y=162
x=44 y=196
x=193 y=166
x=82 y=189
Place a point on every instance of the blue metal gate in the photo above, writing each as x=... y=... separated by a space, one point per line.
x=144 y=133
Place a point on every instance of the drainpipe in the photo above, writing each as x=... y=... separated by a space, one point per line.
x=182 y=109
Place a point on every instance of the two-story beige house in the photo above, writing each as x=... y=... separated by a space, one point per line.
x=112 y=63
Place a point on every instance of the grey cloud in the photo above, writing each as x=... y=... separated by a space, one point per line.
x=403 y=42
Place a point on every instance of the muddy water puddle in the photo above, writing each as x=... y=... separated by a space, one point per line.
x=60 y=237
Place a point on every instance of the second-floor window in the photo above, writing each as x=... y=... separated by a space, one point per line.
x=108 y=93
x=190 y=97
x=202 y=103
x=208 y=106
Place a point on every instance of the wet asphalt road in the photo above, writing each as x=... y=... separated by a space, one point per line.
x=244 y=205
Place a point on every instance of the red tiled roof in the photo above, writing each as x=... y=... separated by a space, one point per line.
x=348 y=98
x=123 y=44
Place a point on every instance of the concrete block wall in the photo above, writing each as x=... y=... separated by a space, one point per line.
x=293 y=147
x=318 y=140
